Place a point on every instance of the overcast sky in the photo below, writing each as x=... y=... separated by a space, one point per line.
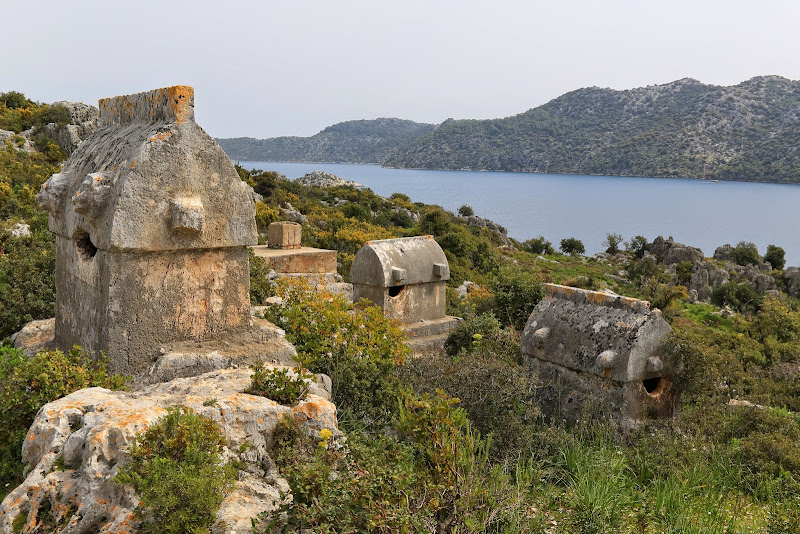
x=292 y=67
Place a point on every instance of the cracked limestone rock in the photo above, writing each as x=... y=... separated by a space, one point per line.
x=77 y=445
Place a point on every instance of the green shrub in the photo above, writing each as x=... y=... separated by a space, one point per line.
x=357 y=347
x=496 y=393
x=643 y=270
x=177 y=470
x=776 y=257
x=741 y=297
x=466 y=211
x=356 y=211
x=572 y=246
x=745 y=253
x=58 y=115
x=14 y=100
x=373 y=488
x=261 y=287
x=538 y=245
x=435 y=221
x=683 y=272
x=637 y=246
x=279 y=384
x=27 y=384
x=516 y=292
x=27 y=286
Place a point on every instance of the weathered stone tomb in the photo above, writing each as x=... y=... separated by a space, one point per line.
x=594 y=350
x=407 y=278
x=152 y=225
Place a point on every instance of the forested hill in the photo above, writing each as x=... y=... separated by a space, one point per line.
x=749 y=131
x=359 y=141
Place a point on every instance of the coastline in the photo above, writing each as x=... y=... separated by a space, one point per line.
x=709 y=180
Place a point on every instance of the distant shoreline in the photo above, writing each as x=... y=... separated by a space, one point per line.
x=709 y=180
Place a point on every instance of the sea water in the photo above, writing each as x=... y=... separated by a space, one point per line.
x=700 y=213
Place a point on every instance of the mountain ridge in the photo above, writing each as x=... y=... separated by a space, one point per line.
x=681 y=129
x=749 y=131
x=356 y=141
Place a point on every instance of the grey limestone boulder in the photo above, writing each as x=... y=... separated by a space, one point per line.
x=706 y=277
x=89 y=433
x=791 y=277
x=723 y=253
x=325 y=179
x=669 y=251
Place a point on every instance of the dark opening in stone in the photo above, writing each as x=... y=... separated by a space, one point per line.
x=396 y=290
x=653 y=386
x=86 y=248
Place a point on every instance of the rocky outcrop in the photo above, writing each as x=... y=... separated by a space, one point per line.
x=706 y=277
x=84 y=120
x=325 y=179
x=758 y=276
x=480 y=222
x=19 y=230
x=723 y=253
x=791 y=277
x=293 y=214
x=77 y=445
x=35 y=337
x=669 y=251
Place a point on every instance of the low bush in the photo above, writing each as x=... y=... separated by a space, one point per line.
x=177 y=469
x=745 y=253
x=538 y=245
x=516 y=292
x=356 y=346
x=741 y=297
x=372 y=488
x=279 y=384
x=637 y=246
x=27 y=384
x=261 y=286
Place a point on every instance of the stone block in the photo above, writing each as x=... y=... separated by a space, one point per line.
x=284 y=235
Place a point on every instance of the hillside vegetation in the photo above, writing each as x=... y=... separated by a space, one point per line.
x=359 y=141
x=457 y=444
x=749 y=131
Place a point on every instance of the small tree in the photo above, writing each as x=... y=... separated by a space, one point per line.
x=538 y=245
x=775 y=256
x=572 y=246
x=745 y=253
x=466 y=211
x=637 y=246
x=612 y=243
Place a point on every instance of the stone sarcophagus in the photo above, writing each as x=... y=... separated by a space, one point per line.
x=406 y=277
x=152 y=225
x=594 y=350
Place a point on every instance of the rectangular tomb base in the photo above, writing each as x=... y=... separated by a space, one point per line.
x=427 y=338
x=572 y=396
x=300 y=260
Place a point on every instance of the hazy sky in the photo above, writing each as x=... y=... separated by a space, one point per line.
x=292 y=67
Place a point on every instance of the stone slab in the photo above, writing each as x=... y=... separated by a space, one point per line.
x=301 y=260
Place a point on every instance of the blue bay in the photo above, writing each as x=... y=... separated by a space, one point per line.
x=695 y=212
